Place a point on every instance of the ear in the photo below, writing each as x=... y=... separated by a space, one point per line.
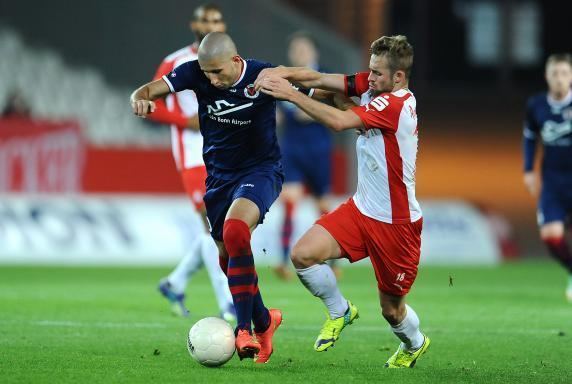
x=236 y=59
x=398 y=76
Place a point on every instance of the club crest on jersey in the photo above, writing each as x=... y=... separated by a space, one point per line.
x=250 y=92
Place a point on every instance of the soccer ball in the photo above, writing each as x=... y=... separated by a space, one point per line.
x=211 y=341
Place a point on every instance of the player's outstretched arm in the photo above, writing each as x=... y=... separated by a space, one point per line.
x=142 y=98
x=305 y=78
x=331 y=117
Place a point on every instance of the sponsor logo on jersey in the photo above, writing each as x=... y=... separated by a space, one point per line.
x=552 y=131
x=222 y=107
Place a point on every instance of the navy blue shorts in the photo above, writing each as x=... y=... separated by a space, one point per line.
x=261 y=186
x=311 y=167
x=555 y=203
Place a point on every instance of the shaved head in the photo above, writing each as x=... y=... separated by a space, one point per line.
x=217 y=46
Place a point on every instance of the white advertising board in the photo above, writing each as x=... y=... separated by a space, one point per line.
x=151 y=230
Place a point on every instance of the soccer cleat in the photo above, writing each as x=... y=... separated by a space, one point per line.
x=176 y=300
x=405 y=359
x=265 y=338
x=246 y=345
x=333 y=327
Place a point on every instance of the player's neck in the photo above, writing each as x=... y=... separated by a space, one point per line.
x=559 y=96
x=239 y=73
x=400 y=87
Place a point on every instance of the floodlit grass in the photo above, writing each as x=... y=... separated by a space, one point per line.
x=105 y=325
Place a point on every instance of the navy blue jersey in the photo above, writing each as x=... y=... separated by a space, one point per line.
x=550 y=121
x=238 y=124
x=303 y=134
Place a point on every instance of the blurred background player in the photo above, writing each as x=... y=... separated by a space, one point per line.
x=306 y=152
x=549 y=117
x=179 y=110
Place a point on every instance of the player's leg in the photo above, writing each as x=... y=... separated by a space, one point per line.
x=173 y=286
x=292 y=193
x=404 y=323
x=335 y=235
x=394 y=253
x=251 y=201
x=551 y=218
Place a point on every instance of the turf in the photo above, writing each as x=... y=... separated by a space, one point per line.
x=106 y=325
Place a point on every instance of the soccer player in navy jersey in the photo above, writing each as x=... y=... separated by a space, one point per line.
x=549 y=118
x=244 y=173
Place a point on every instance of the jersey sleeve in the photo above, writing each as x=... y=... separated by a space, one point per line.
x=185 y=76
x=356 y=85
x=530 y=134
x=380 y=113
x=162 y=114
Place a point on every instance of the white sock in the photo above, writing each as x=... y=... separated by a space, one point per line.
x=186 y=267
x=408 y=330
x=320 y=280
x=209 y=254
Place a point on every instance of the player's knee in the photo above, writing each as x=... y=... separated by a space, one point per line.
x=302 y=256
x=552 y=231
x=236 y=237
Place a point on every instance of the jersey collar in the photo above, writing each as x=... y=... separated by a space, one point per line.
x=241 y=74
x=559 y=103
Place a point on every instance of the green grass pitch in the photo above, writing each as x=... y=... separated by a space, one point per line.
x=509 y=324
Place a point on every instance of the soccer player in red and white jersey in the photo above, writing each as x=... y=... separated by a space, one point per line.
x=383 y=219
x=179 y=110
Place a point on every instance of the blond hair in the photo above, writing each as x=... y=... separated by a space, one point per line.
x=397 y=51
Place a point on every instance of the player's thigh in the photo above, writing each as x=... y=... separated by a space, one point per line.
x=245 y=210
x=337 y=234
x=394 y=250
x=254 y=194
x=218 y=199
x=315 y=246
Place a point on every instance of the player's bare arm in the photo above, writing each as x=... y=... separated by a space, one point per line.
x=531 y=182
x=142 y=98
x=305 y=77
x=333 y=118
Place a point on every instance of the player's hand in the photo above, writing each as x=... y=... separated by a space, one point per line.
x=277 y=87
x=142 y=108
x=279 y=71
x=531 y=183
x=193 y=123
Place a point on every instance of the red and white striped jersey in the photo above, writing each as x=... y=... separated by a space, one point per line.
x=176 y=110
x=386 y=152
